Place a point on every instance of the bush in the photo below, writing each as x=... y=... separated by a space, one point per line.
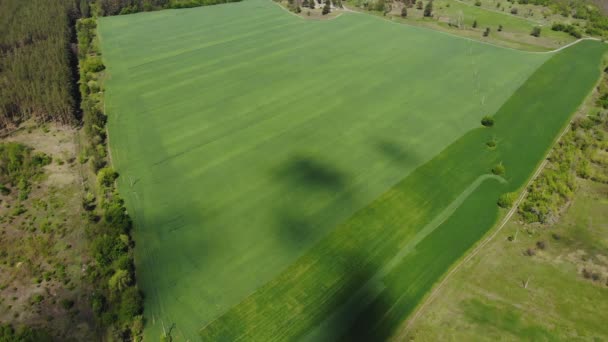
x=487 y=121
x=404 y=12
x=4 y=190
x=498 y=169
x=419 y=5
x=486 y=32
x=428 y=9
x=491 y=143
x=535 y=31
x=499 y=28
x=67 y=304
x=474 y=23
x=530 y=252
x=106 y=177
x=131 y=304
x=327 y=7
x=107 y=249
x=506 y=200
x=93 y=64
x=541 y=245
x=478 y=3
x=514 y=11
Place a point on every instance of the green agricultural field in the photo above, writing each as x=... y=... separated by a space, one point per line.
x=282 y=172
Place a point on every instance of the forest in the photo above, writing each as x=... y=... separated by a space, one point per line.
x=37 y=67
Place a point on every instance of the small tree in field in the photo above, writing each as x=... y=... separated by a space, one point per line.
x=428 y=9
x=404 y=12
x=326 y=8
x=499 y=28
x=474 y=23
x=498 y=169
x=487 y=121
x=535 y=31
x=486 y=32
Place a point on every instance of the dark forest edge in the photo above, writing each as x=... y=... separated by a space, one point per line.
x=118 y=7
x=51 y=71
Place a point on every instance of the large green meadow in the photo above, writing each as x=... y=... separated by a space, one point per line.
x=284 y=173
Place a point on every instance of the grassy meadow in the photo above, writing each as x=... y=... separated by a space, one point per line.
x=285 y=173
x=488 y=296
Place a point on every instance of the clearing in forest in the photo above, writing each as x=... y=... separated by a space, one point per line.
x=274 y=165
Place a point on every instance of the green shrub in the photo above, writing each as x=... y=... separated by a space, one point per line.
x=506 y=200
x=428 y=9
x=535 y=31
x=106 y=177
x=67 y=304
x=93 y=64
x=491 y=143
x=498 y=169
x=131 y=304
x=4 y=190
x=487 y=121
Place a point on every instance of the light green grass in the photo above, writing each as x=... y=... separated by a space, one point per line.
x=485 y=300
x=244 y=135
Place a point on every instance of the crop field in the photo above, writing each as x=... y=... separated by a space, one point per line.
x=289 y=178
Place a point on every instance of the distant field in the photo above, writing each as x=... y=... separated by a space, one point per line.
x=268 y=160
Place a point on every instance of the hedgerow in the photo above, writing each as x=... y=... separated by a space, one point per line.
x=117 y=302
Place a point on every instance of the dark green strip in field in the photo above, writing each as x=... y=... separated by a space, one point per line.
x=312 y=294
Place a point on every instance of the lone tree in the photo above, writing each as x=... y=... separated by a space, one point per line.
x=428 y=9
x=499 y=28
x=536 y=31
x=498 y=169
x=327 y=7
x=486 y=32
x=475 y=23
x=404 y=12
x=487 y=121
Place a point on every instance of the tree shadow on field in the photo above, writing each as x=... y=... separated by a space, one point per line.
x=310 y=172
x=311 y=188
x=395 y=152
x=356 y=311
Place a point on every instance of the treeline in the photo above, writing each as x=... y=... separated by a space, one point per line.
x=580 y=153
x=114 y=7
x=117 y=302
x=23 y=334
x=588 y=10
x=35 y=61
